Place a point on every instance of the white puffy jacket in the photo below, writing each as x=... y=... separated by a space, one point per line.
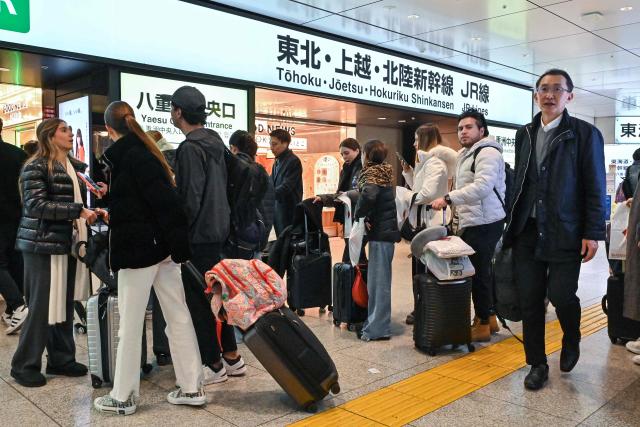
x=429 y=179
x=473 y=198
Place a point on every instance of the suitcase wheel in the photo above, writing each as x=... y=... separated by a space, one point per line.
x=614 y=340
x=146 y=368
x=336 y=322
x=351 y=327
x=471 y=348
x=335 y=388
x=311 y=407
x=300 y=312
x=80 y=328
x=322 y=310
x=96 y=382
x=330 y=307
x=431 y=352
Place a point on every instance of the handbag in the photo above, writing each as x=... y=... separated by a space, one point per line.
x=408 y=231
x=506 y=295
x=359 y=292
x=96 y=257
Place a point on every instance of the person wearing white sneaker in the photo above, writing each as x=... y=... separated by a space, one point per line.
x=148 y=237
x=633 y=346
x=17 y=319
x=234 y=367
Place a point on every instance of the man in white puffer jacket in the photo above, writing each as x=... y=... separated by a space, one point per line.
x=478 y=198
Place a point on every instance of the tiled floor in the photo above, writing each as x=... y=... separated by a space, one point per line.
x=604 y=388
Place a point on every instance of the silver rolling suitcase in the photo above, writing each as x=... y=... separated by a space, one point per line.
x=103 y=321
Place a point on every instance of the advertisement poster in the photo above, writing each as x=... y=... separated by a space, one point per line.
x=77 y=114
x=150 y=98
x=507 y=138
x=327 y=175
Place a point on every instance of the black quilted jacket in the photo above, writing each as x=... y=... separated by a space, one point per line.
x=48 y=208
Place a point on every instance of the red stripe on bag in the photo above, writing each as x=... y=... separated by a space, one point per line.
x=265 y=278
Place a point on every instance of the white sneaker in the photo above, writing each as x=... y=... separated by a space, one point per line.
x=633 y=346
x=17 y=319
x=636 y=359
x=236 y=369
x=110 y=405
x=213 y=377
x=178 y=397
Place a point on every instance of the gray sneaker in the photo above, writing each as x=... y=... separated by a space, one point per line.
x=178 y=397
x=110 y=405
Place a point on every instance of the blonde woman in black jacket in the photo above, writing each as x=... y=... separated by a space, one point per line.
x=53 y=211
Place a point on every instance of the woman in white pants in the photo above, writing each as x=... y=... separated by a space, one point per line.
x=147 y=240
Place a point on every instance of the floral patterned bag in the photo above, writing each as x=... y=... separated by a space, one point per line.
x=250 y=288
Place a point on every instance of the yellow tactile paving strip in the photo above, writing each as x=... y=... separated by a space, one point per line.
x=413 y=398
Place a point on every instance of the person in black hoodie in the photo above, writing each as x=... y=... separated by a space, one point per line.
x=11 y=160
x=349 y=175
x=147 y=238
x=377 y=208
x=53 y=212
x=287 y=179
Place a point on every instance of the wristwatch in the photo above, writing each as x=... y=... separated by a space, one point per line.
x=447 y=199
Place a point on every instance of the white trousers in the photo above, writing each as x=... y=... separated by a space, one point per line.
x=134 y=287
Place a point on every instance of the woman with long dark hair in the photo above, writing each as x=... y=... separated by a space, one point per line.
x=53 y=213
x=148 y=238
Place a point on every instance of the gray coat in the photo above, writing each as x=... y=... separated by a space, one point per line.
x=632 y=273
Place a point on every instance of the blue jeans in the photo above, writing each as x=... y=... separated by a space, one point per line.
x=378 y=323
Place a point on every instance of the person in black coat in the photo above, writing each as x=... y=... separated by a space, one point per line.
x=349 y=175
x=148 y=237
x=11 y=160
x=377 y=208
x=53 y=206
x=557 y=219
x=287 y=179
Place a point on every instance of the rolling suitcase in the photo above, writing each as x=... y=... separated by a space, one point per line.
x=443 y=313
x=309 y=277
x=620 y=328
x=103 y=321
x=344 y=309
x=294 y=357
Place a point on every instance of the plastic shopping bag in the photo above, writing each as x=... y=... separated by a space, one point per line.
x=355 y=241
x=448 y=268
x=450 y=247
x=619 y=225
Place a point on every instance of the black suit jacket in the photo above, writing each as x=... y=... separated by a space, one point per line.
x=287 y=182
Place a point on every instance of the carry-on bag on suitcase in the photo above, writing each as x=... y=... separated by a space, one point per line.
x=294 y=357
x=443 y=313
x=103 y=321
x=309 y=277
x=345 y=310
x=620 y=328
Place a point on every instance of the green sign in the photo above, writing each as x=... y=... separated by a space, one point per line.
x=14 y=15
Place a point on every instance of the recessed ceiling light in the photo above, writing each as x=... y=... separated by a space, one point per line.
x=413 y=16
x=626 y=8
x=476 y=39
x=4 y=69
x=413 y=118
x=382 y=118
x=402 y=121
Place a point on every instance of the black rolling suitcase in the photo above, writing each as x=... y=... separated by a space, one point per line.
x=443 y=313
x=620 y=328
x=294 y=357
x=309 y=277
x=344 y=309
x=103 y=323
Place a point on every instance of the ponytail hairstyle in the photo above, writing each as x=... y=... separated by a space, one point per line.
x=120 y=117
x=45 y=149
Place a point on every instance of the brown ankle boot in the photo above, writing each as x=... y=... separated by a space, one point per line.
x=480 y=332
x=494 y=326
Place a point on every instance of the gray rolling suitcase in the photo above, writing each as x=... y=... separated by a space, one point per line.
x=103 y=321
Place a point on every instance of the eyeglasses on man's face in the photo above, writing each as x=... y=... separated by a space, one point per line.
x=554 y=90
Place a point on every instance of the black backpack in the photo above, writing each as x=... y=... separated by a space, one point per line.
x=246 y=186
x=509 y=177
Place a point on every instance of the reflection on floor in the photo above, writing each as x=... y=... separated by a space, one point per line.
x=603 y=389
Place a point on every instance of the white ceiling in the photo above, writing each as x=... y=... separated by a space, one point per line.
x=512 y=39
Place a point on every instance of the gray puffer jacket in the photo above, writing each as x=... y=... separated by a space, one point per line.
x=201 y=180
x=473 y=198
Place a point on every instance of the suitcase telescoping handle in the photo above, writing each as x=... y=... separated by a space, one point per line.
x=444 y=214
x=306 y=237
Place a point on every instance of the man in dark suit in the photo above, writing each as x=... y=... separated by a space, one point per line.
x=11 y=160
x=287 y=179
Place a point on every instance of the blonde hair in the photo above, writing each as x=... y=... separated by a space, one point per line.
x=120 y=117
x=45 y=148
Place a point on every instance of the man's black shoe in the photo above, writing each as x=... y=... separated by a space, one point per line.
x=163 y=359
x=537 y=377
x=29 y=379
x=73 y=369
x=569 y=356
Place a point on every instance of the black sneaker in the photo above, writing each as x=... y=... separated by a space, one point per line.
x=537 y=377
x=29 y=379
x=73 y=369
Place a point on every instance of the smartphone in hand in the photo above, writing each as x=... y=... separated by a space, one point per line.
x=402 y=160
x=90 y=183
